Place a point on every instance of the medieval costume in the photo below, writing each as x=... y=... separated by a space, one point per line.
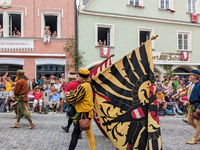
x=82 y=97
x=21 y=93
x=71 y=110
x=193 y=94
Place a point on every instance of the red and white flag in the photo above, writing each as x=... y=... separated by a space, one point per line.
x=106 y=63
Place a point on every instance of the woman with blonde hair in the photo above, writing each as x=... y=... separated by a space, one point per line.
x=47 y=34
x=82 y=97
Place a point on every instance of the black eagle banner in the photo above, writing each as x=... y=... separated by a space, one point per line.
x=125 y=101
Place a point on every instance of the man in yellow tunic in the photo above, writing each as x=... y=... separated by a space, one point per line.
x=82 y=97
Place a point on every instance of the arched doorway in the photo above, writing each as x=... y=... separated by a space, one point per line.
x=182 y=71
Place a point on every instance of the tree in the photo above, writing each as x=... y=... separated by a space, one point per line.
x=74 y=54
x=168 y=69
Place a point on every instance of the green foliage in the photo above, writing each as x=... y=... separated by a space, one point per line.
x=168 y=69
x=198 y=67
x=74 y=54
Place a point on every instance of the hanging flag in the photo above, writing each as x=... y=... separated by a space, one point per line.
x=106 y=63
x=125 y=101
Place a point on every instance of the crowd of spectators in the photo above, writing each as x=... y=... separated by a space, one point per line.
x=165 y=91
x=53 y=85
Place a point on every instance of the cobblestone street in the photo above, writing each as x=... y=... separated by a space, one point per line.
x=48 y=135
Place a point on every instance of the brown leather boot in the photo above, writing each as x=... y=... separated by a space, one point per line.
x=192 y=141
x=14 y=117
x=31 y=125
x=16 y=125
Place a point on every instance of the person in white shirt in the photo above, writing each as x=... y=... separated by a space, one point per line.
x=57 y=86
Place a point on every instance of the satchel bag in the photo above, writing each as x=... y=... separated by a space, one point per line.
x=84 y=124
x=196 y=114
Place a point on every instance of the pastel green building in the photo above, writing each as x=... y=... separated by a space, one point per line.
x=123 y=25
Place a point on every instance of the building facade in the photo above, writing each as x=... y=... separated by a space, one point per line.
x=22 y=45
x=126 y=24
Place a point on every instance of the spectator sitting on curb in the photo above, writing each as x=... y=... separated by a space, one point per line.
x=161 y=100
x=55 y=99
x=173 y=104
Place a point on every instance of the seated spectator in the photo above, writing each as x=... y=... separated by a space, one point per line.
x=52 y=88
x=46 y=86
x=38 y=98
x=158 y=85
x=175 y=83
x=34 y=84
x=180 y=87
x=9 y=83
x=161 y=99
x=16 y=32
x=183 y=79
x=55 y=99
x=100 y=43
x=54 y=34
x=47 y=35
x=165 y=78
x=1 y=31
x=58 y=86
x=12 y=97
x=170 y=102
x=52 y=79
x=166 y=87
x=4 y=97
x=63 y=77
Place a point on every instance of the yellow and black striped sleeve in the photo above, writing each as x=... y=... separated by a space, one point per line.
x=76 y=95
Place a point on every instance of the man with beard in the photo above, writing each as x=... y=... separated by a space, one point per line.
x=193 y=94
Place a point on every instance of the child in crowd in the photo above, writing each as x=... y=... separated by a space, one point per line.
x=161 y=100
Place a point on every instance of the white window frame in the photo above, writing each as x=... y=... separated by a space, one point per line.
x=197 y=6
x=43 y=23
x=146 y=29
x=170 y=4
x=104 y=25
x=49 y=61
x=140 y=3
x=7 y=23
x=189 y=33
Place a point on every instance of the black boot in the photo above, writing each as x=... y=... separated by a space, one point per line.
x=65 y=128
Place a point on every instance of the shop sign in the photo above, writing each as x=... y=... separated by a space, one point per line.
x=20 y=44
x=169 y=57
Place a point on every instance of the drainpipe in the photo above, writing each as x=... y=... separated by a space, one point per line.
x=76 y=27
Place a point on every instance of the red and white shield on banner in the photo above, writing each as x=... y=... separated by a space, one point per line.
x=105 y=51
x=184 y=56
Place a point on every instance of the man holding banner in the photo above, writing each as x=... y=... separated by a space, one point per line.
x=125 y=101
